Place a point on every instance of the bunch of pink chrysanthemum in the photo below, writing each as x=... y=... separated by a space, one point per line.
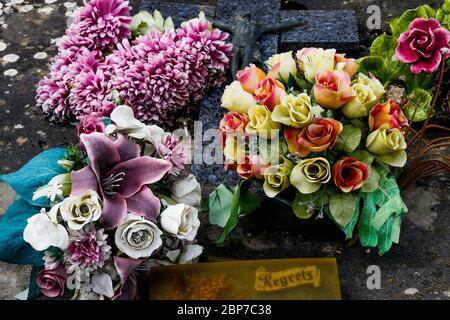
x=159 y=75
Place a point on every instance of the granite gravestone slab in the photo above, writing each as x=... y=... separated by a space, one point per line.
x=336 y=29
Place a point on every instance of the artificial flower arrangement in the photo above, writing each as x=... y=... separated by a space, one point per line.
x=91 y=218
x=314 y=129
x=412 y=61
x=108 y=58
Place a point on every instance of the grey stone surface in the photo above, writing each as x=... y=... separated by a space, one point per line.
x=263 y=11
x=421 y=260
x=178 y=11
x=336 y=29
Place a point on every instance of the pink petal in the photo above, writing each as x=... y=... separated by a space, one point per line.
x=83 y=180
x=428 y=65
x=101 y=151
x=127 y=149
x=404 y=52
x=442 y=38
x=138 y=172
x=144 y=203
x=114 y=210
x=424 y=24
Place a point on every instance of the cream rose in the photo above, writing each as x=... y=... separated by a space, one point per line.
x=180 y=221
x=309 y=174
x=276 y=178
x=79 y=210
x=294 y=111
x=368 y=92
x=281 y=66
x=260 y=121
x=188 y=191
x=388 y=144
x=138 y=237
x=235 y=98
x=314 y=61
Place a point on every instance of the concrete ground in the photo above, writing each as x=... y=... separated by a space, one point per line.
x=418 y=268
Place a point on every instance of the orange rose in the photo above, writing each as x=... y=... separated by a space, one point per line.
x=269 y=92
x=250 y=77
x=318 y=136
x=389 y=113
x=233 y=122
x=347 y=64
x=253 y=167
x=332 y=89
x=349 y=174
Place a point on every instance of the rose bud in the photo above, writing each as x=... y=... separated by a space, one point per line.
x=349 y=174
x=250 y=77
x=425 y=44
x=388 y=144
x=346 y=64
x=388 y=113
x=318 y=136
x=52 y=281
x=234 y=98
x=312 y=61
x=269 y=92
x=282 y=65
x=332 y=89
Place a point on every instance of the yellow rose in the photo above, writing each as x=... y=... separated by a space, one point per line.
x=234 y=98
x=276 y=178
x=294 y=111
x=234 y=150
x=368 y=92
x=388 y=144
x=260 y=121
x=313 y=61
x=309 y=174
x=281 y=66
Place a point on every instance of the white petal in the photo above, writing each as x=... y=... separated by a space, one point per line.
x=102 y=284
x=190 y=252
x=41 y=233
x=173 y=255
x=171 y=218
x=123 y=117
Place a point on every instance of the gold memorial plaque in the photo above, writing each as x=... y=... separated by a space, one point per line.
x=281 y=279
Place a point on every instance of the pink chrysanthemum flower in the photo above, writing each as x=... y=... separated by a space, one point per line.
x=88 y=248
x=52 y=95
x=106 y=22
x=169 y=148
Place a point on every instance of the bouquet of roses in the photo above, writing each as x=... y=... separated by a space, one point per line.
x=97 y=214
x=108 y=58
x=315 y=126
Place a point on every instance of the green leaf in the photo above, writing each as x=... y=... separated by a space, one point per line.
x=220 y=201
x=349 y=139
x=376 y=65
x=443 y=14
x=249 y=202
x=33 y=288
x=364 y=156
x=234 y=213
x=384 y=46
x=342 y=207
x=13 y=248
x=422 y=80
x=385 y=236
x=418 y=106
x=367 y=233
x=360 y=125
x=401 y=24
x=371 y=184
x=304 y=204
x=348 y=229
x=36 y=173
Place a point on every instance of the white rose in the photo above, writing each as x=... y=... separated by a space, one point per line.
x=181 y=221
x=137 y=237
x=315 y=60
x=234 y=98
x=281 y=66
x=44 y=231
x=187 y=255
x=80 y=210
x=188 y=191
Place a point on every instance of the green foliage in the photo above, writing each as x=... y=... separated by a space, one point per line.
x=225 y=206
x=342 y=207
x=401 y=24
x=75 y=154
x=349 y=139
x=371 y=184
x=305 y=205
x=145 y=22
x=418 y=106
x=364 y=156
x=443 y=14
